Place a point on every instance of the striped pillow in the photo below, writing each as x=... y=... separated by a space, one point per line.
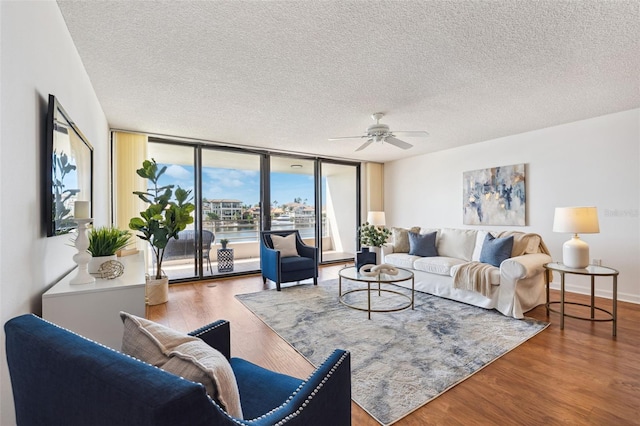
x=183 y=355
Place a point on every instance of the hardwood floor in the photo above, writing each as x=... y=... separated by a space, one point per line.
x=578 y=376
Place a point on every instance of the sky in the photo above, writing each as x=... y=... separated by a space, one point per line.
x=243 y=185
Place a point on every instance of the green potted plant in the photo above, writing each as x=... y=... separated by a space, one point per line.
x=104 y=242
x=168 y=213
x=224 y=242
x=373 y=237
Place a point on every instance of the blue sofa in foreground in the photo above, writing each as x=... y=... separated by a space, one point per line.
x=61 y=378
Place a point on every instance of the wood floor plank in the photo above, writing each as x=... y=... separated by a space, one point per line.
x=579 y=376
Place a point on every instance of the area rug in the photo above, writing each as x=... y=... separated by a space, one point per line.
x=399 y=360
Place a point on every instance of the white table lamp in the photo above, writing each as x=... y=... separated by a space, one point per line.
x=576 y=220
x=376 y=218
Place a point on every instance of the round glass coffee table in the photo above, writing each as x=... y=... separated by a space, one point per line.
x=374 y=285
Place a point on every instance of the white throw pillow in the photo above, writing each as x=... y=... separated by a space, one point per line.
x=285 y=245
x=458 y=243
x=478 y=247
x=183 y=355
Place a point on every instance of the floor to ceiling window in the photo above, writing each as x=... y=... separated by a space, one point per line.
x=231 y=208
x=180 y=256
x=292 y=189
x=239 y=192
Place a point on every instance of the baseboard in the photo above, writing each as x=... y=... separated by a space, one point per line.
x=607 y=294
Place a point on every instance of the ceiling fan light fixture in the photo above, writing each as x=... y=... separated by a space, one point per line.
x=377 y=116
x=379 y=132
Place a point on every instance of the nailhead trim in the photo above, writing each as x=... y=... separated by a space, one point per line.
x=209 y=328
x=307 y=400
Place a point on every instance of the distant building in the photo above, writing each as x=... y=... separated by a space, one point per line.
x=225 y=209
x=302 y=213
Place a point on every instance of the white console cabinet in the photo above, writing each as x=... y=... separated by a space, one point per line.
x=92 y=310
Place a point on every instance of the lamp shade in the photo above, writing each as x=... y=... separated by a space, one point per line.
x=576 y=220
x=376 y=218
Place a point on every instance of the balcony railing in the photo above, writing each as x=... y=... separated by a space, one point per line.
x=243 y=238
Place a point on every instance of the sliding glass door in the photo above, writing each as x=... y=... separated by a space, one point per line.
x=319 y=198
x=231 y=208
x=238 y=193
x=181 y=256
x=292 y=201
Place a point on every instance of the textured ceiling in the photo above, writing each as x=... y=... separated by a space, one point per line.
x=289 y=75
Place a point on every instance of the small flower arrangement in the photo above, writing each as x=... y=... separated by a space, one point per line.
x=373 y=236
x=224 y=242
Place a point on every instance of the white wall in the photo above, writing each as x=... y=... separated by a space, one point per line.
x=589 y=162
x=341 y=191
x=38 y=57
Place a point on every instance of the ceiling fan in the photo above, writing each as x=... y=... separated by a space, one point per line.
x=380 y=133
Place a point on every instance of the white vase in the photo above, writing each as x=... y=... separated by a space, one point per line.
x=157 y=291
x=378 y=252
x=95 y=262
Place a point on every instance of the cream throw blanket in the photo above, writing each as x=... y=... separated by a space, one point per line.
x=521 y=242
x=474 y=276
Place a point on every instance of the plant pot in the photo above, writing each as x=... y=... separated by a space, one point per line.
x=95 y=262
x=157 y=291
x=365 y=257
x=378 y=253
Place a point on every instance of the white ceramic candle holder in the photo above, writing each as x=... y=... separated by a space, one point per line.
x=82 y=257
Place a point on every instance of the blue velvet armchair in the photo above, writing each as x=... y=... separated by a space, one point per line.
x=286 y=269
x=61 y=378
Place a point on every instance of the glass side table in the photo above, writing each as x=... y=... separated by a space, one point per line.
x=592 y=271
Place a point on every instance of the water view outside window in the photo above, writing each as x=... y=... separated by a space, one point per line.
x=231 y=205
x=293 y=196
x=231 y=199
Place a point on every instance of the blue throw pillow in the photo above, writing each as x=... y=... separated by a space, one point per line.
x=423 y=244
x=496 y=250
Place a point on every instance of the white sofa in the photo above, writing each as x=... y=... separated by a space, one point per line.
x=517 y=286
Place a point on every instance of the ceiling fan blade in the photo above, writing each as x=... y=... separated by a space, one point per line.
x=412 y=134
x=348 y=137
x=364 y=145
x=397 y=142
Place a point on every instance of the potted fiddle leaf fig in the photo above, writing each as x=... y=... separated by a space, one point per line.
x=104 y=242
x=168 y=212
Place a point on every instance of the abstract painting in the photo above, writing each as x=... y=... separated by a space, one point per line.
x=494 y=196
